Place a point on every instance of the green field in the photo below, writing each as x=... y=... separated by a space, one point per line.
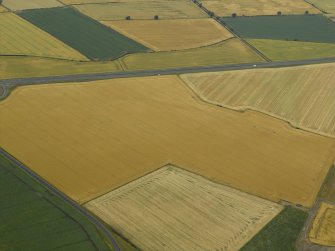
x=231 y=51
x=279 y=50
x=32 y=218
x=21 y=67
x=327 y=6
x=82 y=33
x=328 y=190
x=312 y=28
x=280 y=234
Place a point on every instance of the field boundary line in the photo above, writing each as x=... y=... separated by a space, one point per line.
x=243 y=109
x=316 y=7
x=94 y=220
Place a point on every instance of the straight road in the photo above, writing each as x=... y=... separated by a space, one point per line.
x=58 y=193
x=127 y=74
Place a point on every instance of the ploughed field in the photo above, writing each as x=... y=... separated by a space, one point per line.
x=87 y=139
x=173 y=209
x=86 y=35
x=302 y=95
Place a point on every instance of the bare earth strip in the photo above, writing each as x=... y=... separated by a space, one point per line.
x=304 y=95
x=323 y=228
x=172 y=209
x=166 y=35
x=258 y=7
x=30 y=4
x=19 y=37
x=119 y=10
x=87 y=139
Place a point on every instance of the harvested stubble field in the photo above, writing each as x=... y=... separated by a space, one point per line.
x=87 y=139
x=258 y=7
x=32 y=218
x=279 y=50
x=183 y=211
x=304 y=95
x=231 y=51
x=165 y=9
x=323 y=228
x=281 y=233
x=327 y=6
x=23 y=67
x=19 y=37
x=176 y=34
x=312 y=28
x=88 y=36
x=30 y=4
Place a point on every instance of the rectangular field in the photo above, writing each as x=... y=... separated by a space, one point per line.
x=177 y=34
x=327 y=6
x=231 y=51
x=19 y=37
x=91 y=38
x=32 y=218
x=312 y=28
x=30 y=4
x=323 y=228
x=80 y=136
x=258 y=7
x=119 y=10
x=173 y=209
x=279 y=50
x=23 y=67
x=303 y=96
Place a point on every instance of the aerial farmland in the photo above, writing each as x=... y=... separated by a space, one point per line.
x=170 y=125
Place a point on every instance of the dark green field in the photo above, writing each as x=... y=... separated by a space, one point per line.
x=280 y=234
x=33 y=219
x=84 y=34
x=313 y=28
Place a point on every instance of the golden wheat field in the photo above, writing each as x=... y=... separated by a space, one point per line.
x=30 y=4
x=19 y=37
x=87 y=139
x=183 y=211
x=304 y=95
x=174 y=34
x=323 y=228
x=142 y=10
x=258 y=7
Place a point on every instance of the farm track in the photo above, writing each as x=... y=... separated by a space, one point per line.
x=8 y=84
x=97 y=223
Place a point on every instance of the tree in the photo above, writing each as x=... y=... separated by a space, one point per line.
x=156 y=17
x=279 y=13
x=306 y=12
x=128 y=17
x=234 y=15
